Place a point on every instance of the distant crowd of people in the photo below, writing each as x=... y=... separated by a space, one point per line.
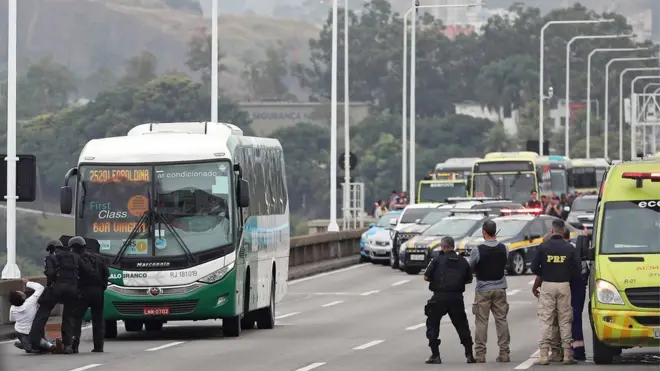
x=397 y=201
x=551 y=204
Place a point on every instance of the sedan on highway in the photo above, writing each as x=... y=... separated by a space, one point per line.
x=376 y=243
x=417 y=252
x=581 y=213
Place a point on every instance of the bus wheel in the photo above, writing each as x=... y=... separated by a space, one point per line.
x=603 y=353
x=153 y=326
x=231 y=327
x=266 y=316
x=110 y=329
x=247 y=322
x=133 y=326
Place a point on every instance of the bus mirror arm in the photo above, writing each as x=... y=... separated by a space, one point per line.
x=243 y=193
x=66 y=192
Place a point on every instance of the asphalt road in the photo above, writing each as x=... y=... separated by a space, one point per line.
x=361 y=318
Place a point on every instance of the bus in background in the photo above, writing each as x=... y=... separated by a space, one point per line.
x=509 y=175
x=193 y=221
x=588 y=174
x=455 y=169
x=440 y=190
x=555 y=175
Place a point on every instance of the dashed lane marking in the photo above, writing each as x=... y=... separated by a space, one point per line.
x=287 y=315
x=333 y=303
x=525 y=365
x=87 y=367
x=169 y=345
x=411 y=328
x=369 y=292
x=513 y=292
x=368 y=345
x=327 y=274
x=311 y=367
x=400 y=283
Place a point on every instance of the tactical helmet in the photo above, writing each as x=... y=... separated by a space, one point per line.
x=77 y=242
x=53 y=245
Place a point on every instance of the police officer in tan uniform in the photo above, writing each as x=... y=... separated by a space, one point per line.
x=555 y=264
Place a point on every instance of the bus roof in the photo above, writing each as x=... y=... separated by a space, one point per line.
x=513 y=155
x=457 y=163
x=590 y=162
x=171 y=142
x=618 y=188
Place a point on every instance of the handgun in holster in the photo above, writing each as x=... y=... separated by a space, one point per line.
x=428 y=308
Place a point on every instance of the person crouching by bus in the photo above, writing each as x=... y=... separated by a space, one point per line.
x=578 y=297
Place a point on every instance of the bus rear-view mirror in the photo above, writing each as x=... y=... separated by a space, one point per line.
x=66 y=200
x=243 y=193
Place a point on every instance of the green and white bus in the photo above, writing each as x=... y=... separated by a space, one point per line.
x=193 y=221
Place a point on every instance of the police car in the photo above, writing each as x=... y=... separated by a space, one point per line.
x=522 y=230
x=411 y=216
x=376 y=242
x=416 y=253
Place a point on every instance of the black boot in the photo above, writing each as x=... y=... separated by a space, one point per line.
x=469 y=356
x=435 y=355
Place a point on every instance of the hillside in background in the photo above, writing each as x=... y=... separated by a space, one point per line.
x=86 y=35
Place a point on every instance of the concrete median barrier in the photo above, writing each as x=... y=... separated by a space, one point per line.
x=309 y=255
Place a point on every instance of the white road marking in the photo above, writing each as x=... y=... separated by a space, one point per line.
x=415 y=327
x=400 y=283
x=7 y=341
x=513 y=292
x=165 y=346
x=311 y=367
x=536 y=354
x=369 y=292
x=525 y=365
x=87 y=367
x=287 y=315
x=333 y=303
x=368 y=345
x=328 y=273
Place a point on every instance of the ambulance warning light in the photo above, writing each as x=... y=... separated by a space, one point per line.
x=639 y=177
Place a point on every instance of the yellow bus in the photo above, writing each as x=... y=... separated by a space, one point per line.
x=588 y=174
x=513 y=175
x=434 y=191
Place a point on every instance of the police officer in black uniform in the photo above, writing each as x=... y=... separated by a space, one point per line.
x=63 y=277
x=447 y=274
x=93 y=283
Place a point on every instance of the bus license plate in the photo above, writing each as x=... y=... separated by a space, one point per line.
x=157 y=311
x=656 y=333
x=418 y=257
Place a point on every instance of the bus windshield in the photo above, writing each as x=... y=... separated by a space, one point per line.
x=190 y=207
x=558 y=181
x=630 y=227
x=586 y=177
x=452 y=174
x=439 y=192
x=515 y=187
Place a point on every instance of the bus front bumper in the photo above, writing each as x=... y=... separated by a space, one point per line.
x=207 y=301
x=625 y=328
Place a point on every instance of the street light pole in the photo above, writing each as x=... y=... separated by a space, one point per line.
x=593 y=52
x=568 y=81
x=633 y=120
x=214 y=62
x=413 y=84
x=541 y=66
x=11 y=270
x=333 y=226
x=347 y=141
x=607 y=95
x=623 y=73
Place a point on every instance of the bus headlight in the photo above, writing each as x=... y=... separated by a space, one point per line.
x=217 y=275
x=607 y=293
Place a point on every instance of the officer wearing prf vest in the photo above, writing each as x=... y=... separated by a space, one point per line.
x=556 y=264
x=447 y=274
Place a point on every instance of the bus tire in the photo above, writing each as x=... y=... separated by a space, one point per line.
x=152 y=326
x=110 y=329
x=266 y=316
x=603 y=353
x=247 y=322
x=231 y=327
x=133 y=325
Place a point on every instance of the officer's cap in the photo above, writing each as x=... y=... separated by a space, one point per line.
x=77 y=242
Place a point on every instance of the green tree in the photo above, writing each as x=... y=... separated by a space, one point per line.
x=140 y=69
x=47 y=86
x=265 y=79
x=199 y=57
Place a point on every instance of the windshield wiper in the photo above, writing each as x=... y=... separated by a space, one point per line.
x=145 y=216
x=494 y=181
x=164 y=220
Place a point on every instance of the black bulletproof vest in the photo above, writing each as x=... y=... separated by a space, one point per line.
x=67 y=267
x=492 y=262
x=449 y=274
